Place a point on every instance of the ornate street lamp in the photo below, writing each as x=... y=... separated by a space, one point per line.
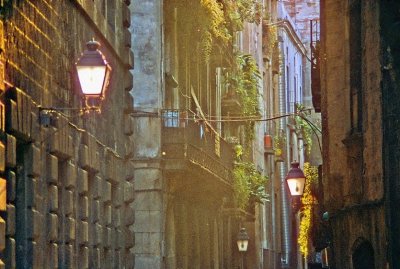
x=242 y=242
x=296 y=180
x=93 y=74
x=93 y=71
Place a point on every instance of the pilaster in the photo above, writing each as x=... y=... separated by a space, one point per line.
x=148 y=181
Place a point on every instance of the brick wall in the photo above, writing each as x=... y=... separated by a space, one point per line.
x=69 y=185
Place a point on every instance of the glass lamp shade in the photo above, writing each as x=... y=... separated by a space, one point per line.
x=296 y=186
x=93 y=71
x=91 y=79
x=296 y=180
x=242 y=240
x=242 y=245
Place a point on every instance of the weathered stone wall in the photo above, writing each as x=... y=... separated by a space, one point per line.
x=366 y=223
x=69 y=185
x=372 y=116
x=335 y=94
x=353 y=170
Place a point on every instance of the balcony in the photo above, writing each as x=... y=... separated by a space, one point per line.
x=193 y=150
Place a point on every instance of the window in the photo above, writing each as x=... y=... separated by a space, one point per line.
x=170 y=118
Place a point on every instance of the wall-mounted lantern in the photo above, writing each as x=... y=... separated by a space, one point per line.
x=93 y=71
x=296 y=180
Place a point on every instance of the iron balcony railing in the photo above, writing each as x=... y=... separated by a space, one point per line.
x=196 y=141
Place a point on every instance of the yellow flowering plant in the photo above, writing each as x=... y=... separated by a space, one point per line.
x=308 y=201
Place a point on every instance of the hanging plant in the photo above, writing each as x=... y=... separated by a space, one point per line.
x=279 y=144
x=216 y=21
x=304 y=127
x=244 y=79
x=213 y=26
x=237 y=12
x=306 y=132
x=248 y=183
x=308 y=201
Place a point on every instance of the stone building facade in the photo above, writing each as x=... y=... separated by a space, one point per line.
x=284 y=88
x=359 y=71
x=184 y=211
x=68 y=184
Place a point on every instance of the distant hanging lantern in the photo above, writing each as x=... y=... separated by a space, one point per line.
x=242 y=240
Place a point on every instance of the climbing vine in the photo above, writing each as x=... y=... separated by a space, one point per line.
x=304 y=127
x=215 y=21
x=308 y=201
x=248 y=183
x=244 y=80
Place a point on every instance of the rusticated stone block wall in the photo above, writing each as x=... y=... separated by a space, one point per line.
x=69 y=196
x=69 y=186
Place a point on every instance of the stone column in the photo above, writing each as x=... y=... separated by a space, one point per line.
x=147 y=44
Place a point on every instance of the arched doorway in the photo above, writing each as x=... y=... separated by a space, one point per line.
x=363 y=255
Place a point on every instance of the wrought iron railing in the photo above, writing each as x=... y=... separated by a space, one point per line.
x=197 y=142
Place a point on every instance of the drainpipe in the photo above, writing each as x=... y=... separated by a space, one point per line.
x=286 y=238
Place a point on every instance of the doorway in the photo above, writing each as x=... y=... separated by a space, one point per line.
x=363 y=256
